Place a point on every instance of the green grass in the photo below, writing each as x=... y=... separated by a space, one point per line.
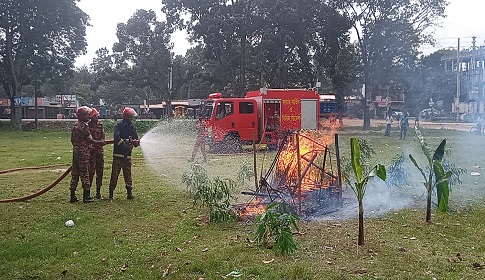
x=161 y=229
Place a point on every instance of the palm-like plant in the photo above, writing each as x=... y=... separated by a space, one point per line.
x=434 y=175
x=359 y=179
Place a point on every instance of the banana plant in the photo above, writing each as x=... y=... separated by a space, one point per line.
x=359 y=179
x=434 y=175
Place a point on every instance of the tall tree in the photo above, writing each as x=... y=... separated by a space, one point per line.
x=256 y=43
x=428 y=80
x=39 y=39
x=143 y=54
x=388 y=31
x=222 y=27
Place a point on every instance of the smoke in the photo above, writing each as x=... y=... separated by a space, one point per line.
x=168 y=147
x=381 y=198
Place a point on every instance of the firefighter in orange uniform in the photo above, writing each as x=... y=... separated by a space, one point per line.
x=125 y=138
x=81 y=139
x=96 y=162
x=199 y=139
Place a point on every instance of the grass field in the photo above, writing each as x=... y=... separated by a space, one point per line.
x=161 y=235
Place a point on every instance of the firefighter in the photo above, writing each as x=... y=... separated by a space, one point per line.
x=81 y=139
x=199 y=139
x=125 y=138
x=96 y=162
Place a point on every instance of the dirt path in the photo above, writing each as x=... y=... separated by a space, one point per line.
x=425 y=124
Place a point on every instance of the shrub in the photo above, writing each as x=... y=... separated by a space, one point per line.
x=214 y=194
x=274 y=228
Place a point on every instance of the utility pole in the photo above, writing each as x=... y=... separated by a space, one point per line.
x=458 y=72
x=474 y=77
x=480 y=81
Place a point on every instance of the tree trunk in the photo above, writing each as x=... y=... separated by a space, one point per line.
x=242 y=78
x=361 y=240
x=367 y=97
x=428 y=205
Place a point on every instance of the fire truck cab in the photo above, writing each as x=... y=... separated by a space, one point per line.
x=262 y=116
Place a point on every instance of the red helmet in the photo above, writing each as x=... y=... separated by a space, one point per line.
x=94 y=113
x=83 y=111
x=129 y=112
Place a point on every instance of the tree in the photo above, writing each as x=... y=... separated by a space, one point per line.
x=39 y=40
x=388 y=32
x=143 y=54
x=222 y=27
x=428 y=79
x=250 y=44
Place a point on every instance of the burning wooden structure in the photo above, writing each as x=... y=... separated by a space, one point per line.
x=305 y=174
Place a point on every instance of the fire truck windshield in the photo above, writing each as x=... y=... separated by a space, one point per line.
x=207 y=108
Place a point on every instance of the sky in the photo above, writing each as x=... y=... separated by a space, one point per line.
x=463 y=21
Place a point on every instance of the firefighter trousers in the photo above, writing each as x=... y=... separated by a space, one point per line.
x=121 y=163
x=96 y=166
x=80 y=170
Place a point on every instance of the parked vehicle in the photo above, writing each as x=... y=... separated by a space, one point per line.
x=262 y=116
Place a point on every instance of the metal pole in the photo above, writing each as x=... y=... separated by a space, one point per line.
x=36 y=88
x=339 y=171
x=254 y=164
x=458 y=72
x=298 y=162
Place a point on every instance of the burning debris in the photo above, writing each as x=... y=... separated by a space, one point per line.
x=305 y=174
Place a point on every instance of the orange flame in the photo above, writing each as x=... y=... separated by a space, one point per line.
x=253 y=208
x=312 y=144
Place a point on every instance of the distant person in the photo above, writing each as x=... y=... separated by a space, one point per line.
x=416 y=121
x=388 y=125
x=404 y=123
x=81 y=138
x=200 y=136
x=479 y=125
x=59 y=116
x=96 y=157
x=125 y=138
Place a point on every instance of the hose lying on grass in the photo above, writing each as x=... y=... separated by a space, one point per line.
x=24 y=198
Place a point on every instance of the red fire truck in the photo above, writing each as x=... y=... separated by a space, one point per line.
x=262 y=116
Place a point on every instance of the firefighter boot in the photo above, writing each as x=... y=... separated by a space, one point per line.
x=87 y=196
x=98 y=192
x=110 y=197
x=129 y=194
x=73 y=197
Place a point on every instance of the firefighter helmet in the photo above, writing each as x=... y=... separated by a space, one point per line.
x=83 y=111
x=94 y=113
x=129 y=112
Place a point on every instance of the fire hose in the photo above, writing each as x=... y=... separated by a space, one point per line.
x=24 y=198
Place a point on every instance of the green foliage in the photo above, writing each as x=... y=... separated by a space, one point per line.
x=246 y=172
x=274 y=228
x=434 y=175
x=290 y=50
x=389 y=38
x=361 y=173
x=158 y=232
x=43 y=40
x=397 y=175
x=455 y=170
x=359 y=178
x=214 y=194
x=144 y=44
